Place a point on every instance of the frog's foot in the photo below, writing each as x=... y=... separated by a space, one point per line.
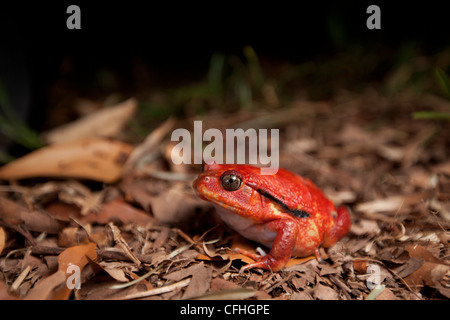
x=265 y=262
x=319 y=256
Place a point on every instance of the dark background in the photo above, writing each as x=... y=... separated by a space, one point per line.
x=176 y=40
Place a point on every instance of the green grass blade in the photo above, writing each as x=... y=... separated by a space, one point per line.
x=443 y=80
x=431 y=115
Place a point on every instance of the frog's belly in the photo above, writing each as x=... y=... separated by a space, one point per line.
x=247 y=227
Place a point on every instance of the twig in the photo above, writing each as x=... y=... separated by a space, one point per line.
x=153 y=292
x=101 y=253
x=20 y=278
x=341 y=285
x=128 y=284
x=122 y=244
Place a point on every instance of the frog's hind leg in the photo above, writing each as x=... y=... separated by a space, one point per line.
x=340 y=228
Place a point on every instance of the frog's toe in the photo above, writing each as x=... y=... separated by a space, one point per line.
x=266 y=262
x=258 y=264
x=246 y=253
x=319 y=256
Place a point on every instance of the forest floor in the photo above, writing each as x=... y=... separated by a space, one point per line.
x=125 y=219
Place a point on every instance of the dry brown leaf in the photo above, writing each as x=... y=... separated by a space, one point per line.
x=174 y=205
x=443 y=168
x=200 y=282
x=352 y=134
x=34 y=220
x=181 y=274
x=219 y=284
x=420 y=252
x=53 y=287
x=122 y=244
x=91 y=158
x=365 y=226
x=76 y=193
x=122 y=211
x=115 y=211
x=63 y=211
x=2 y=239
x=68 y=237
x=107 y=122
x=77 y=255
x=409 y=267
x=4 y=294
x=386 y=294
x=391 y=204
x=116 y=273
x=150 y=145
x=137 y=190
x=430 y=272
x=415 y=145
x=322 y=292
x=44 y=288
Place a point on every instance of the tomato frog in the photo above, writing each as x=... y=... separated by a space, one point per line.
x=284 y=211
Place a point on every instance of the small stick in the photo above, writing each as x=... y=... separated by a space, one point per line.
x=152 y=292
x=102 y=253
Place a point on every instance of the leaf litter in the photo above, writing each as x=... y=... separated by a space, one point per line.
x=132 y=224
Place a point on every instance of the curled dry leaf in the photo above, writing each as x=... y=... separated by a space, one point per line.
x=149 y=146
x=122 y=244
x=107 y=122
x=115 y=210
x=77 y=255
x=443 y=168
x=120 y=210
x=386 y=294
x=322 y=292
x=4 y=294
x=429 y=272
x=174 y=205
x=200 y=282
x=34 y=220
x=91 y=158
x=43 y=290
x=365 y=226
x=2 y=239
x=50 y=287
x=115 y=272
x=391 y=204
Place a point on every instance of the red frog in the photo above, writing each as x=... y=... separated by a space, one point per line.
x=284 y=212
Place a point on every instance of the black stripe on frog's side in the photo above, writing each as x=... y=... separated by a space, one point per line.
x=295 y=212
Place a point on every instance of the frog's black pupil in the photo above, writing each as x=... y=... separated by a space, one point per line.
x=231 y=182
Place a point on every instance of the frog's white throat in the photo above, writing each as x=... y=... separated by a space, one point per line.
x=246 y=227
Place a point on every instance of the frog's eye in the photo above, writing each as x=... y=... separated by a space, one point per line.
x=231 y=182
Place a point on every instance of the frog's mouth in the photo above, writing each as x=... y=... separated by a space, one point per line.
x=201 y=189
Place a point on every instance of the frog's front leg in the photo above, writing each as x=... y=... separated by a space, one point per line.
x=282 y=247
